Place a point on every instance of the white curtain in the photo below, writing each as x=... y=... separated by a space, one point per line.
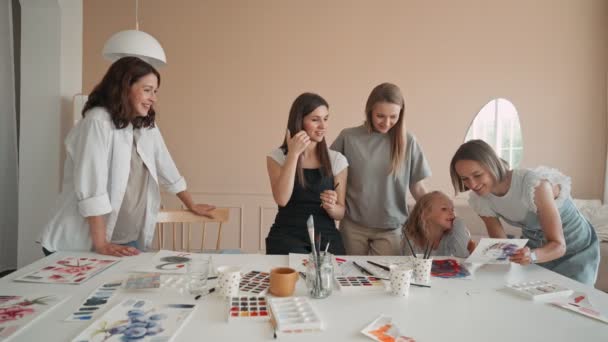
x=8 y=143
x=605 y=199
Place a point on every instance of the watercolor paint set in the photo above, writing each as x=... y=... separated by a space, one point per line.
x=248 y=308
x=96 y=301
x=69 y=270
x=360 y=284
x=539 y=290
x=255 y=282
x=292 y=315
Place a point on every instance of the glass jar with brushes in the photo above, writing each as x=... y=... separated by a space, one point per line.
x=320 y=274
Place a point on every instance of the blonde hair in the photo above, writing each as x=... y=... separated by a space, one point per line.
x=389 y=93
x=416 y=228
x=478 y=151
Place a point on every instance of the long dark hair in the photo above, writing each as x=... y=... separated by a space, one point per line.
x=112 y=92
x=390 y=93
x=303 y=105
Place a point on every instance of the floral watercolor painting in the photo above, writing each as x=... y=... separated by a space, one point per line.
x=138 y=320
x=17 y=311
x=69 y=270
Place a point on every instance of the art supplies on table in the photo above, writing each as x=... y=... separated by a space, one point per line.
x=95 y=302
x=450 y=268
x=69 y=270
x=139 y=281
x=495 y=251
x=299 y=261
x=292 y=315
x=255 y=282
x=539 y=290
x=166 y=262
x=16 y=312
x=384 y=330
x=248 y=308
x=579 y=303
x=138 y=319
x=360 y=284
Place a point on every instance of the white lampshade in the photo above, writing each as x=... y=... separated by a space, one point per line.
x=135 y=43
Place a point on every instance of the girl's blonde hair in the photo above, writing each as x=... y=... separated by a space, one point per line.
x=416 y=227
x=389 y=93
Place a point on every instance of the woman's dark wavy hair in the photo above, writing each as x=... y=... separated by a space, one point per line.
x=303 y=105
x=112 y=92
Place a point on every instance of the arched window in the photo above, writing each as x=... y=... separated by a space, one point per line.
x=497 y=123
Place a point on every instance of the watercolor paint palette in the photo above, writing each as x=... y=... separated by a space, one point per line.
x=539 y=290
x=248 y=308
x=255 y=282
x=69 y=270
x=360 y=283
x=96 y=301
x=16 y=312
x=294 y=315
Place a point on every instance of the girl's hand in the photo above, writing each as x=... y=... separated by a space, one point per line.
x=116 y=250
x=521 y=256
x=298 y=143
x=329 y=199
x=203 y=210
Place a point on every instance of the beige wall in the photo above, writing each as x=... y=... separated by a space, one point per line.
x=235 y=66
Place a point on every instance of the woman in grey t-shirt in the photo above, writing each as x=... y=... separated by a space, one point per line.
x=385 y=162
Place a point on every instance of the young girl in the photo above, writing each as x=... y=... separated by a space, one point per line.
x=385 y=162
x=538 y=201
x=432 y=224
x=306 y=179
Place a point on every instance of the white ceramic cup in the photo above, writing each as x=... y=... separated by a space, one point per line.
x=400 y=279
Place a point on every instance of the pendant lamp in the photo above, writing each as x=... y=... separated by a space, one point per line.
x=135 y=43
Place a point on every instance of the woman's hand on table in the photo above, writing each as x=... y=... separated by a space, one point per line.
x=116 y=250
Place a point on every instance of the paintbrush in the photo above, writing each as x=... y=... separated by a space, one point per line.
x=410 y=245
x=386 y=268
x=310 y=223
x=334 y=189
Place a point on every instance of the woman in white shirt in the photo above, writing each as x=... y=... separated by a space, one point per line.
x=116 y=159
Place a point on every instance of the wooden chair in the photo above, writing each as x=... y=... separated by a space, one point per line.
x=184 y=218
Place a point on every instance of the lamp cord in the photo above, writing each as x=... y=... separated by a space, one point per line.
x=137 y=15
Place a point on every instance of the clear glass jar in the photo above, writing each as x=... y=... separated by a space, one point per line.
x=320 y=275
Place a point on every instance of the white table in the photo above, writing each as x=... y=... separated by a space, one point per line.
x=452 y=310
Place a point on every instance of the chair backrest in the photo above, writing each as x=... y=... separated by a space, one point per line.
x=183 y=218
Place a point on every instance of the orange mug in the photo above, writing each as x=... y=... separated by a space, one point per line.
x=283 y=281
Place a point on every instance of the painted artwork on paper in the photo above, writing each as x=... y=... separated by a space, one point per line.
x=18 y=311
x=139 y=320
x=579 y=303
x=450 y=268
x=495 y=251
x=383 y=329
x=167 y=262
x=69 y=270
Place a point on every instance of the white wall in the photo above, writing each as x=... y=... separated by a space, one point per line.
x=8 y=144
x=51 y=73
